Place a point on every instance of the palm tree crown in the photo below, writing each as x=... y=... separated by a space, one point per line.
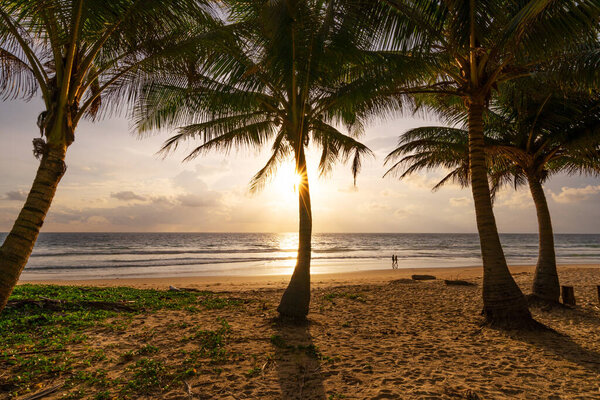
x=468 y=49
x=527 y=131
x=288 y=73
x=82 y=56
x=530 y=134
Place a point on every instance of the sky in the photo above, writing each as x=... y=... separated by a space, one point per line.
x=115 y=182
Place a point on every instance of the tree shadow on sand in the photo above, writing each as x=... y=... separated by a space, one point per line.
x=563 y=346
x=297 y=361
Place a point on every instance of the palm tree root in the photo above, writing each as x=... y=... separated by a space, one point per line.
x=543 y=303
x=295 y=301
x=518 y=318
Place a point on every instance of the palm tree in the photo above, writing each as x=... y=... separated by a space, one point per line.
x=469 y=48
x=530 y=135
x=288 y=73
x=82 y=55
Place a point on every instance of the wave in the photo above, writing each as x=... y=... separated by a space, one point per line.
x=188 y=251
x=157 y=252
x=183 y=262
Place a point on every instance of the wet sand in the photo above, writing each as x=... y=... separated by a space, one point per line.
x=232 y=283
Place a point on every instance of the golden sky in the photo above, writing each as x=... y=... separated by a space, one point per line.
x=116 y=182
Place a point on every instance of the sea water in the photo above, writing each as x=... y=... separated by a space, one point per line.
x=126 y=255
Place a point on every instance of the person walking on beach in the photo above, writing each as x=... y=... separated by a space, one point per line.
x=393 y=261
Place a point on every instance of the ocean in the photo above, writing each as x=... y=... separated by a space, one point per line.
x=127 y=255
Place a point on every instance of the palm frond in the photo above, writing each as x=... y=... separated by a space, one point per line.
x=16 y=77
x=281 y=150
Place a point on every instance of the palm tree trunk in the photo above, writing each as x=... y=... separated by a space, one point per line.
x=18 y=245
x=545 y=280
x=503 y=301
x=296 y=298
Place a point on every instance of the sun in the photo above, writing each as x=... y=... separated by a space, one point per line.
x=286 y=179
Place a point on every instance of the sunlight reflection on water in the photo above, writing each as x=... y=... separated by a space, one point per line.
x=287 y=241
x=106 y=255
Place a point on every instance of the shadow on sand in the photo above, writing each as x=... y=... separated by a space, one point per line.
x=562 y=345
x=297 y=361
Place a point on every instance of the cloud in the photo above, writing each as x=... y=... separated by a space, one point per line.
x=401 y=213
x=206 y=170
x=384 y=144
x=156 y=214
x=348 y=189
x=422 y=181
x=520 y=199
x=574 y=195
x=189 y=181
x=208 y=199
x=15 y=195
x=459 y=201
x=127 y=195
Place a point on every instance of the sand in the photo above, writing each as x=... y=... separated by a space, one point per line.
x=377 y=335
x=236 y=283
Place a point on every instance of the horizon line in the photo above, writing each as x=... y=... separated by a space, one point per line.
x=317 y=233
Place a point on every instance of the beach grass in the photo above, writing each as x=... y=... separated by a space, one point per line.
x=366 y=337
x=45 y=337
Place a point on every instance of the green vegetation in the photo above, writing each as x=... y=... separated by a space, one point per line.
x=310 y=350
x=47 y=330
x=88 y=59
x=294 y=74
x=254 y=371
x=346 y=295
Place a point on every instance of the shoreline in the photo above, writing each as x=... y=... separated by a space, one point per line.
x=238 y=282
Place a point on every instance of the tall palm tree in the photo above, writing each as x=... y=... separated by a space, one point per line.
x=285 y=72
x=469 y=48
x=530 y=135
x=83 y=56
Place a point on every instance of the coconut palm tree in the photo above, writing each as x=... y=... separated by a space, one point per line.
x=530 y=135
x=469 y=48
x=290 y=73
x=82 y=56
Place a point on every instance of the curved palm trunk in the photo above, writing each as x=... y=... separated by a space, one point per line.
x=503 y=301
x=296 y=298
x=17 y=246
x=545 y=280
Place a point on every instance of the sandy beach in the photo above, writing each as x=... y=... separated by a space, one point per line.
x=235 y=283
x=371 y=335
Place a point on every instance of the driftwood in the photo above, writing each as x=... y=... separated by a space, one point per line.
x=458 y=282
x=24 y=353
x=43 y=393
x=568 y=295
x=60 y=305
x=423 y=277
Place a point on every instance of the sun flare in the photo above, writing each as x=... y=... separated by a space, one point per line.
x=286 y=179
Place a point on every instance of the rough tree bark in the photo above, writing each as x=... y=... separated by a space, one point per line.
x=296 y=298
x=18 y=245
x=545 y=280
x=503 y=302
